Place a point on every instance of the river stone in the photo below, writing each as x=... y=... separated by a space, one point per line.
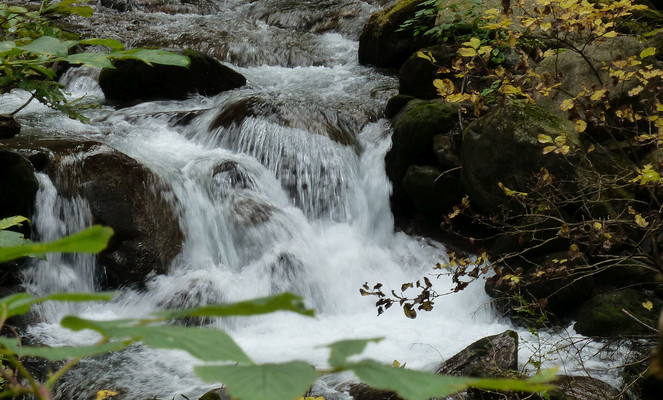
x=133 y=80
x=382 y=44
x=412 y=141
x=503 y=147
x=430 y=192
x=122 y=194
x=18 y=185
x=602 y=316
x=9 y=126
x=492 y=356
x=583 y=388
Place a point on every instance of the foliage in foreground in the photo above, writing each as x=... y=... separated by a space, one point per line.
x=224 y=361
x=33 y=50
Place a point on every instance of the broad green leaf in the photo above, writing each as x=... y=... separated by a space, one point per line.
x=417 y=385
x=17 y=10
x=90 y=240
x=204 y=343
x=61 y=353
x=110 y=43
x=99 y=60
x=340 y=351
x=50 y=46
x=264 y=305
x=67 y=7
x=6 y=46
x=20 y=303
x=153 y=57
x=261 y=382
x=11 y=238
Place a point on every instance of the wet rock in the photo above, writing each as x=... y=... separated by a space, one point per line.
x=119 y=5
x=122 y=194
x=492 y=356
x=396 y=104
x=201 y=7
x=382 y=43
x=216 y=394
x=416 y=76
x=430 y=192
x=133 y=80
x=503 y=147
x=603 y=316
x=412 y=142
x=583 y=388
x=9 y=126
x=361 y=391
x=18 y=185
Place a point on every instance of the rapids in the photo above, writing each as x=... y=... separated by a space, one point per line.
x=312 y=156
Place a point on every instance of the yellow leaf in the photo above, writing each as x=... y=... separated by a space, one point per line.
x=467 y=52
x=567 y=104
x=545 y=26
x=104 y=394
x=473 y=43
x=591 y=148
x=396 y=364
x=597 y=226
x=575 y=248
x=560 y=140
x=580 y=125
x=426 y=56
x=549 y=52
x=444 y=86
x=563 y=150
x=641 y=221
x=545 y=138
x=648 y=305
x=635 y=91
x=549 y=149
x=649 y=51
x=610 y=34
x=597 y=95
x=510 y=192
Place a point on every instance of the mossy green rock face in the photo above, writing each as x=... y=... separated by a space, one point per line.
x=382 y=44
x=133 y=80
x=412 y=141
x=503 y=146
x=603 y=316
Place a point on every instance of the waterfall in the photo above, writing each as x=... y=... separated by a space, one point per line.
x=292 y=197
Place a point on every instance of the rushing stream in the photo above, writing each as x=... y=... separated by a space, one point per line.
x=310 y=162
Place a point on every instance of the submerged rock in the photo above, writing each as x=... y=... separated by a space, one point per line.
x=492 y=356
x=133 y=80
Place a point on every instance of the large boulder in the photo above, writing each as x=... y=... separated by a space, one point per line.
x=603 y=316
x=412 y=142
x=133 y=80
x=382 y=43
x=492 y=356
x=122 y=194
x=503 y=147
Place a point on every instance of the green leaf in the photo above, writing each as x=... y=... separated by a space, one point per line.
x=91 y=240
x=50 y=46
x=67 y=7
x=20 y=303
x=17 y=10
x=340 y=351
x=417 y=385
x=264 y=305
x=6 y=46
x=261 y=382
x=61 y=353
x=110 y=43
x=204 y=343
x=153 y=56
x=11 y=238
x=91 y=60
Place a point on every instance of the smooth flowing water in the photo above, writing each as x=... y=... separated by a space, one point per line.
x=309 y=163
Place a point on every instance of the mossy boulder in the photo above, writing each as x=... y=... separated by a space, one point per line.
x=412 y=141
x=382 y=43
x=503 y=147
x=429 y=191
x=603 y=316
x=395 y=104
x=135 y=81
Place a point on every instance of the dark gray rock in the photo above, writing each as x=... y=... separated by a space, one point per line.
x=18 y=185
x=9 y=126
x=492 y=356
x=430 y=192
x=382 y=43
x=133 y=80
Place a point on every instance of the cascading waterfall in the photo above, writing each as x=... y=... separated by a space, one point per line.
x=292 y=197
